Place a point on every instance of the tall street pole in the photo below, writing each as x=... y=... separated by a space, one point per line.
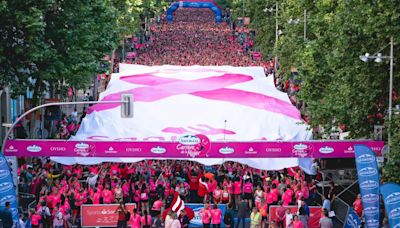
x=390 y=92
x=305 y=24
x=276 y=38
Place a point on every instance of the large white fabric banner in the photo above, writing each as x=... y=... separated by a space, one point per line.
x=223 y=103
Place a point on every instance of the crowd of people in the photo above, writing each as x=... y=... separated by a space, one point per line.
x=60 y=190
x=194 y=39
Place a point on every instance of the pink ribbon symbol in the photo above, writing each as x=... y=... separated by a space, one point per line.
x=212 y=88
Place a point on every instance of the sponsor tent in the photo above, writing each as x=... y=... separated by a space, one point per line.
x=223 y=103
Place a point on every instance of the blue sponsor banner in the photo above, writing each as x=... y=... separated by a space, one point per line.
x=196 y=207
x=7 y=189
x=352 y=220
x=174 y=6
x=391 y=198
x=368 y=180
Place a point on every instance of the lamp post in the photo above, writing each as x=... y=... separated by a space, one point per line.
x=378 y=58
x=297 y=21
x=276 y=9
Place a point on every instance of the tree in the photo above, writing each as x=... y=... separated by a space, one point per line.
x=391 y=169
x=337 y=87
x=54 y=42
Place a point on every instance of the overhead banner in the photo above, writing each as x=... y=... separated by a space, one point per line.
x=391 y=198
x=189 y=146
x=223 y=103
x=352 y=220
x=368 y=180
x=7 y=189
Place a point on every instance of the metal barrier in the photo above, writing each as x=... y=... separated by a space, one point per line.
x=341 y=209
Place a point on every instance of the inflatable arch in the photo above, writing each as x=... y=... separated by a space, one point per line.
x=174 y=6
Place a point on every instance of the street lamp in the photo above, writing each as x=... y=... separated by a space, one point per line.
x=297 y=21
x=270 y=10
x=377 y=57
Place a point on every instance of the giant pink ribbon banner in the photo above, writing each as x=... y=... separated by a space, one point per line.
x=191 y=146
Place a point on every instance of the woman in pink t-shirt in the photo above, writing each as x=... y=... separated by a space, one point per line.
x=216 y=216
x=286 y=198
x=145 y=220
x=144 y=198
x=205 y=214
x=135 y=219
x=237 y=190
x=248 y=192
x=217 y=194
x=35 y=219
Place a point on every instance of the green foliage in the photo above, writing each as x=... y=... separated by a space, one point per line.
x=336 y=85
x=54 y=42
x=61 y=43
x=391 y=169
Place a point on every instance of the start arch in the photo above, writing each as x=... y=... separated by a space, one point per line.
x=174 y=6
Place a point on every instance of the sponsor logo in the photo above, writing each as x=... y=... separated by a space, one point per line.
x=189 y=140
x=4 y=187
x=58 y=148
x=110 y=150
x=82 y=146
x=11 y=149
x=393 y=198
x=250 y=151
x=349 y=149
x=4 y=174
x=395 y=213
x=130 y=149
x=82 y=149
x=369 y=184
x=370 y=198
x=197 y=216
x=300 y=147
x=372 y=223
x=371 y=211
x=351 y=221
x=300 y=150
x=226 y=150
x=2 y=161
x=34 y=148
x=8 y=198
x=158 y=150
x=14 y=212
x=365 y=158
x=273 y=150
x=326 y=150
x=367 y=172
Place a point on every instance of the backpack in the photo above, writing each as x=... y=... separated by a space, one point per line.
x=45 y=218
x=127 y=216
x=227 y=218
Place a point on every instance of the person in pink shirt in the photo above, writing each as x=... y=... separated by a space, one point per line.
x=237 y=190
x=156 y=208
x=205 y=214
x=216 y=216
x=275 y=193
x=296 y=222
x=135 y=219
x=248 y=192
x=286 y=198
x=144 y=198
x=107 y=196
x=217 y=194
x=269 y=197
x=35 y=218
x=96 y=196
x=145 y=220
